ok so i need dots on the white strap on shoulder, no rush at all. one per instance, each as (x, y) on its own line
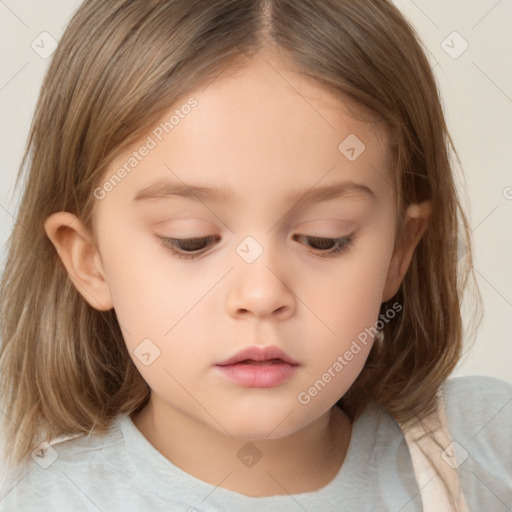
(434, 462)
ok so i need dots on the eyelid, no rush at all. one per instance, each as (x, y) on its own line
(341, 245)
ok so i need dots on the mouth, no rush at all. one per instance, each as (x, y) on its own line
(261, 363)
(270, 355)
(258, 374)
(258, 367)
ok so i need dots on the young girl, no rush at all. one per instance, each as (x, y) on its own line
(233, 281)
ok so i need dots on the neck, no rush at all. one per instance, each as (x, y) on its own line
(304, 461)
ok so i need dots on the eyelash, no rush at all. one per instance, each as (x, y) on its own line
(341, 245)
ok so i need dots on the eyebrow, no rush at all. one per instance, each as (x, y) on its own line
(167, 189)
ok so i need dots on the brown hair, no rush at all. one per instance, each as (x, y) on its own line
(120, 65)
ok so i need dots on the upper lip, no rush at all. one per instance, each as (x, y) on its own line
(259, 354)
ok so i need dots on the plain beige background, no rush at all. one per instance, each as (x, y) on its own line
(469, 45)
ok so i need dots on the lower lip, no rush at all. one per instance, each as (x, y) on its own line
(258, 376)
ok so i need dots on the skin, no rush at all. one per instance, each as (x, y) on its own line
(262, 131)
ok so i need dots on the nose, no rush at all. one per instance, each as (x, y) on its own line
(261, 289)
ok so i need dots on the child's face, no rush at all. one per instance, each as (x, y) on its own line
(264, 134)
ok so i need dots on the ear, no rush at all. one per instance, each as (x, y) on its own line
(80, 257)
(417, 217)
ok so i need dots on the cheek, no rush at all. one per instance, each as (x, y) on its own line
(347, 305)
(154, 299)
(350, 296)
(148, 292)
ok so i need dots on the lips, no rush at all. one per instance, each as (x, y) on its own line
(259, 356)
(258, 367)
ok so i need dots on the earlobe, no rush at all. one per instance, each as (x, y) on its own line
(417, 217)
(80, 258)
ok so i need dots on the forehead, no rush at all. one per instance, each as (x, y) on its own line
(272, 83)
(260, 128)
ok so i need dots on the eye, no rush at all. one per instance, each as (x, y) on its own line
(187, 247)
(192, 247)
(329, 246)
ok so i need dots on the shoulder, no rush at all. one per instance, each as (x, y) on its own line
(61, 474)
(478, 406)
(478, 401)
(478, 412)
(481, 385)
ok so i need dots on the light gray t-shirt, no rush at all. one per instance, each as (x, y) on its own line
(122, 471)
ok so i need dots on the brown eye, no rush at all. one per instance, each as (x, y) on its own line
(193, 247)
(187, 247)
(329, 246)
